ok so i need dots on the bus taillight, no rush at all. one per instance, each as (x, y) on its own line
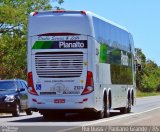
(89, 83)
(60, 11)
(83, 12)
(35, 13)
(31, 88)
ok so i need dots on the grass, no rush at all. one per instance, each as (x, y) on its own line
(145, 94)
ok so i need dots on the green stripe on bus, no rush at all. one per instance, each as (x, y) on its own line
(103, 53)
(42, 45)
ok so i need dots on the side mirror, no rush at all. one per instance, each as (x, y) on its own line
(139, 67)
(22, 89)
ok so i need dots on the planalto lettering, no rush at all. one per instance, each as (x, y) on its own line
(71, 44)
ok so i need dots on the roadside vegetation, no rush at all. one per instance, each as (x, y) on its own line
(13, 34)
(146, 94)
(148, 80)
(13, 41)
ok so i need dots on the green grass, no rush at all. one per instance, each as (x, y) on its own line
(145, 94)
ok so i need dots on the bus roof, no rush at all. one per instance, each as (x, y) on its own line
(106, 20)
(86, 30)
(76, 22)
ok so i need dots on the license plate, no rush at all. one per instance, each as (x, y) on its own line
(59, 101)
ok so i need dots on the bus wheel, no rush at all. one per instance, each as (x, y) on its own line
(123, 110)
(107, 108)
(47, 116)
(100, 114)
(126, 109)
(29, 112)
(105, 112)
(129, 106)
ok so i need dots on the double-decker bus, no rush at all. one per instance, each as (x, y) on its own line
(79, 62)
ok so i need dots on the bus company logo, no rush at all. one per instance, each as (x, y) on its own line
(59, 88)
(71, 44)
(124, 59)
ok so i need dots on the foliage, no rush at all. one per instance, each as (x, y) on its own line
(59, 2)
(148, 80)
(13, 34)
(145, 94)
(14, 14)
(13, 57)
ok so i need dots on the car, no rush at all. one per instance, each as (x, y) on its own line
(14, 97)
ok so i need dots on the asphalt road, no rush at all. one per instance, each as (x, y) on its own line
(146, 112)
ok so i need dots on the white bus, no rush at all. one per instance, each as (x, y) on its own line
(79, 62)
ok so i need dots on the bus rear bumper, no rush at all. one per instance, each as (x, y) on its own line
(85, 110)
(67, 103)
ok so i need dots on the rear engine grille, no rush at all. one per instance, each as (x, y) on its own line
(59, 64)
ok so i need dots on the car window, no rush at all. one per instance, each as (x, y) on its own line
(19, 85)
(24, 85)
(8, 85)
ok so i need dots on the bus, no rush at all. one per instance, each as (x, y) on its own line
(79, 62)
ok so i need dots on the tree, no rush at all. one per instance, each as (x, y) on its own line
(59, 2)
(139, 75)
(14, 14)
(148, 80)
(13, 34)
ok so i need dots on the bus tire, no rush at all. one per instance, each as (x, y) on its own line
(129, 106)
(29, 112)
(107, 108)
(127, 109)
(105, 112)
(123, 110)
(47, 117)
(100, 114)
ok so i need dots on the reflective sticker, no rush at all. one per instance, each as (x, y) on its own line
(59, 101)
(38, 86)
(81, 81)
(85, 63)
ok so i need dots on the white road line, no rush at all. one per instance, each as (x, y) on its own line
(121, 116)
(107, 119)
(64, 130)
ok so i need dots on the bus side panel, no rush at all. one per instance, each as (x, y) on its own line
(29, 67)
(93, 64)
(29, 60)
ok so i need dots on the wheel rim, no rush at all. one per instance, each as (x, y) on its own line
(129, 105)
(102, 113)
(107, 109)
(17, 109)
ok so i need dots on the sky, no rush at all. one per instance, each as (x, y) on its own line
(140, 17)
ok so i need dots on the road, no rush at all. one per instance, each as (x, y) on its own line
(146, 112)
